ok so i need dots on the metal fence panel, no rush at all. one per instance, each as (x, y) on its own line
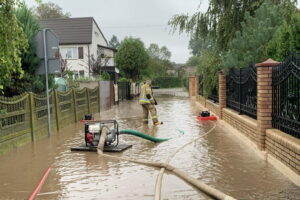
(286, 96)
(242, 90)
(124, 90)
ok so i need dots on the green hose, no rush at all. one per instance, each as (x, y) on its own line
(143, 135)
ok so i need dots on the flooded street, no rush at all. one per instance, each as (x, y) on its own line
(219, 159)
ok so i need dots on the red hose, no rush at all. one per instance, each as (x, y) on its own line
(39, 186)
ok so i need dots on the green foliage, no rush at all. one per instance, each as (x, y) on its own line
(132, 59)
(123, 79)
(105, 76)
(30, 26)
(49, 10)
(167, 82)
(114, 42)
(249, 45)
(30, 62)
(159, 62)
(286, 39)
(12, 42)
(186, 82)
(193, 61)
(209, 68)
(222, 19)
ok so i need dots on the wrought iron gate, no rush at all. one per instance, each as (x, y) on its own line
(286, 96)
(241, 91)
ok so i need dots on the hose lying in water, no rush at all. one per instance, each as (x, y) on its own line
(160, 175)
(39, 186)
(143, 135)
(197, 183)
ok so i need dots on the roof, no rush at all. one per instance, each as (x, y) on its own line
(113, 49)
(72, 30)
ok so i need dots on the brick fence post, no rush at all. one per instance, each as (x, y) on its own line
(222, 92)
(197, 86)
(264, 100)
(192, 86)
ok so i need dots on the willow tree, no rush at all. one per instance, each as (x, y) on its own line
(12, 42)
(221, 20)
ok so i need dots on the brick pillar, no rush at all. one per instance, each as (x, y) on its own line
(222, 92)
(192, 86)
(197, 86)
(264, 100)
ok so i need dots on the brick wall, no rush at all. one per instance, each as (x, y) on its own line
(284, 148)
(243, 123)
(202, 100)
(213, 107)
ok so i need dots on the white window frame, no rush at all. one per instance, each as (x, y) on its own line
(69, 53)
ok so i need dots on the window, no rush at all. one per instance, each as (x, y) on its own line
(69, 52)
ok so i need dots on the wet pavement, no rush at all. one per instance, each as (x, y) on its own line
(218, 159)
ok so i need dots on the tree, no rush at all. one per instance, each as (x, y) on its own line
(12, 42)
(29, 60)
(159, 61)
(49, 10)
(209, 67)
(162, 53)
(193, 61)
(132, 59)
(222, 19)
(114, 42)
(286, 39)
(249, 44)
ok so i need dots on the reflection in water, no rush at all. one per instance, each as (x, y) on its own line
(218, 159)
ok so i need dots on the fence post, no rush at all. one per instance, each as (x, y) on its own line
(74, 103)
(56, 105)
(222, 92)
(192, 86)
(88, 100)
(264, 100)
(99, 97)
(197, 86)
(31, 108)
(240, 91)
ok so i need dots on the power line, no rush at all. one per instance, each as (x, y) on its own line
(136, 26)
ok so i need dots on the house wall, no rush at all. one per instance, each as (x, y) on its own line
(110, 53)
(79, 64)
(89, 50)
(99, 39)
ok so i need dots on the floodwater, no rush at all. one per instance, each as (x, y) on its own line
(218, 159)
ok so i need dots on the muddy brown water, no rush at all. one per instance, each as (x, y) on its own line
(219, 159)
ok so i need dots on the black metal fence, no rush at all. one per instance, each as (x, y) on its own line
(214, 95)
(286, 96)
(241, 90)
(124, 90)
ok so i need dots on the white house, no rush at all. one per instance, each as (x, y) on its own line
(81, 42)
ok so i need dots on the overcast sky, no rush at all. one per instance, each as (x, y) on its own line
(144, 19)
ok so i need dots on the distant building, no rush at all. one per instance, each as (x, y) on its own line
(190, 70)
(81, 42)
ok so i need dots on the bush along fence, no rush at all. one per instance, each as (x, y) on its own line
(167, 82)
(262, 101)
